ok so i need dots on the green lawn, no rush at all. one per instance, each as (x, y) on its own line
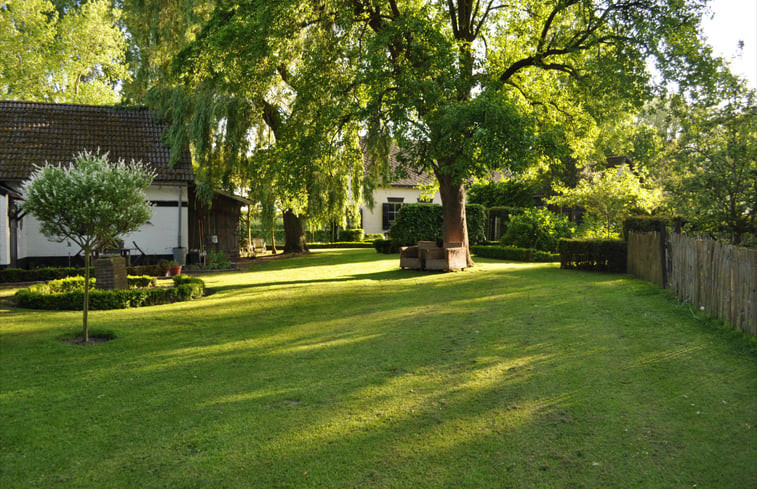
(339, 370)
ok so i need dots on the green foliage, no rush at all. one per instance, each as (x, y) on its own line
(417, 222)
(716, 154)
(386, 246)
(351, 234)
(217, 260)
(342, 244)
(514, 253)
(476, 220)
(76, 282)
(91, 202)
(505, 193)
(600, 255)
(423, 222)
(610, 196)
(141, 281)
(537, 228)
(72, 55)
(16, 275)
(40, 297)
(645, 224)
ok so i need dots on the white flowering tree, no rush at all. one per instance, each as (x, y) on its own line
(90, 202)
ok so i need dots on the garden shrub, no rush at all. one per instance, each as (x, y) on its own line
(217, 260)
(373, 236)
(645, 224)
(185, 288)
(537, 228)
(347, 235)
(141, 281)
(385, 246)
(10, 275)
(514, 253)
(341, 244)
(417, 222)
(476, 218)
(601, 255)
(512, 193)
(16, 275)
(423, 222)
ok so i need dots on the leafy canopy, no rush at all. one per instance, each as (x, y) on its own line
(72, 55)
(610, 196)
(90, 202)
(716, 157)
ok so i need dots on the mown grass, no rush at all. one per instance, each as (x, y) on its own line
(339, 370)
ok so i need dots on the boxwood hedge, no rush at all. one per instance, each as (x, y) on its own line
(184, 289)
(514, 253)
(601, 255)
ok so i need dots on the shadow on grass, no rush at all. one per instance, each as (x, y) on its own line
(505, 376)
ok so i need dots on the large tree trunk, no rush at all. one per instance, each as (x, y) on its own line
(294, 233)
(455, 228)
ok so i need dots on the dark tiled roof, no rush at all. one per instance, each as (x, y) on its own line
(407, 177)
(36, 133)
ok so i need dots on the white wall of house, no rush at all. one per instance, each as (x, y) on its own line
(5, 232)
(372, 218)
(157, 237)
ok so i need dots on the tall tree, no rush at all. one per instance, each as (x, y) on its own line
(260, 94)
(458, 80)
(716, 155)
(75, 55)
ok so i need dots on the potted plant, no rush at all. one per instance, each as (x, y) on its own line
(174, 268)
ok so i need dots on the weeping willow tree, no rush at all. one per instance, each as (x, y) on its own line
(259, 96)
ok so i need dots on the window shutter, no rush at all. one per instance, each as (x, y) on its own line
(385, 215)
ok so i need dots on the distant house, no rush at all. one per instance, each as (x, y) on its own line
(389, 199)
(36, 133)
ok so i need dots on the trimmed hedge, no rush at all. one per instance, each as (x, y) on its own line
(423, 222)
(340, 244)
(13, 275)
(417, 222)
(514, 253)
(71, 284)
(386, 246)
(647, 224)
(16, 275)
(351, 235)
(476, 218)
(601, 255)
(184, 289)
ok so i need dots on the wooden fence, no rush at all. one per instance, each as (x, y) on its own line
(646, 256)
(719, 278)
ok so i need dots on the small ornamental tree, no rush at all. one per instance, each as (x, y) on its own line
(90, 202)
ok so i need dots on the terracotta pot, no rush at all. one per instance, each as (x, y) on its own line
(175, 270)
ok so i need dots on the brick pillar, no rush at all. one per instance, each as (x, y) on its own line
(110, 272)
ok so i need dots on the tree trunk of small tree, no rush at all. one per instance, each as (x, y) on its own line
(455, 228)
(294, 233)
(85, 307)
